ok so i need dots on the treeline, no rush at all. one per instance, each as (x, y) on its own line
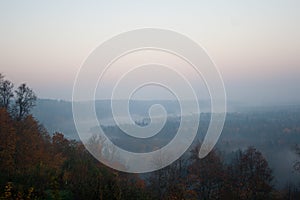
(36, 165)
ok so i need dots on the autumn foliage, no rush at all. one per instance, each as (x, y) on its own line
(37, 165)
(44, 167)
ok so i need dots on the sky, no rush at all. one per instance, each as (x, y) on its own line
(255, 44)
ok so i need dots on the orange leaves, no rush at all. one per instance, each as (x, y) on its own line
(7, 142)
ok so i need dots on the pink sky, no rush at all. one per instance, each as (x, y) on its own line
(255, 44)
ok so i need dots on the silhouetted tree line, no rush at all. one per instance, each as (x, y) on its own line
(17, 102)
(35, 165)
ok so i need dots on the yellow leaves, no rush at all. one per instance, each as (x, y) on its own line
(30, 191)
(8, 188)
(11, 193)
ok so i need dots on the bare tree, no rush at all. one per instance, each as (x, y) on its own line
(206, 176)
(6, 92)
(250, 176)
(297, 163)
(24, 101)
(170, 181)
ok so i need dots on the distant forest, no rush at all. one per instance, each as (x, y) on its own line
(273, 130)
(38, 164)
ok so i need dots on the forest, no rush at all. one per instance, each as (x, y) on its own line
(38, 164)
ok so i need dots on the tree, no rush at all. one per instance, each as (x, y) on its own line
(6, 92)
(249, 176)
(7, 144)
(297, 163)
(31, 145)
(206, 175)
(169, 182)
(25, 100)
